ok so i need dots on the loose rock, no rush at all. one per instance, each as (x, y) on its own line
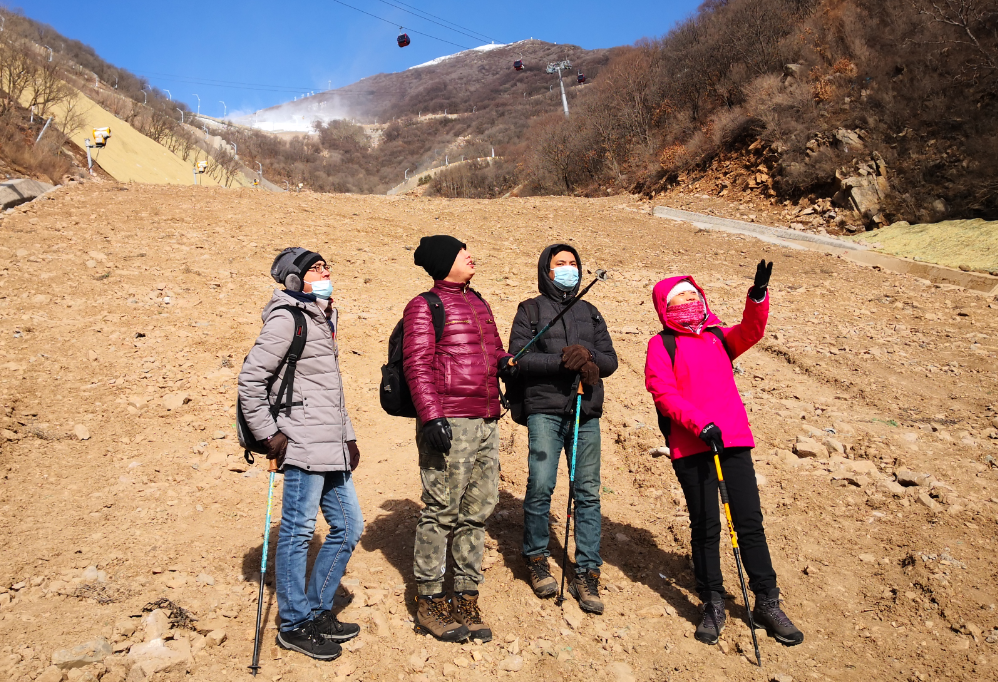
(82, 655)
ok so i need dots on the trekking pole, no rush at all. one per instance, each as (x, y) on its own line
(571, 491)
(734, 545)
(255, 667)
(600, 277)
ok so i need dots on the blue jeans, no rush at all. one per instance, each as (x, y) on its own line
(548, 434)
(305, 492)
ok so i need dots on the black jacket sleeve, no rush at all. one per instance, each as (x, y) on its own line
(534, 362)
(604, 354)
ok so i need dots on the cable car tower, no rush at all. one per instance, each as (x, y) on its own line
(558, 67)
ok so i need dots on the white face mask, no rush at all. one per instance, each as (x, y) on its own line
(322, 288)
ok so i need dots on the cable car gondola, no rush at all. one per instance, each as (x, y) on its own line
(582, 78)
(403, 39)
(518, 64)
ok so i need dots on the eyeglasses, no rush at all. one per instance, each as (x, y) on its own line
(319, 268)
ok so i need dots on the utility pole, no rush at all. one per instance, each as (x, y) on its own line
(225, 110)
(169, 95)
(199, 103)
(181, 114)
(556, 67)
(260, 166)
(50, 51)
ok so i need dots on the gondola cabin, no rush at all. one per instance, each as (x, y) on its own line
(403, 39)
(582, 78)
(518, 65)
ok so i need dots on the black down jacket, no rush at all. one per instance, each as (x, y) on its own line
(549, 386)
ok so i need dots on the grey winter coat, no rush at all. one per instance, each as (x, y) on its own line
(319, 427)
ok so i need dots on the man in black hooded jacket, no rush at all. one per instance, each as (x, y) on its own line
(577, 348)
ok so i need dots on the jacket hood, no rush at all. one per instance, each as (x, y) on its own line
(544, 283)
(662, 290)
(282, 297)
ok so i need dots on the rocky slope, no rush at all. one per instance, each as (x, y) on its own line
(125, 313)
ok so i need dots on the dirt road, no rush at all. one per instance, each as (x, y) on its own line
(119, 302)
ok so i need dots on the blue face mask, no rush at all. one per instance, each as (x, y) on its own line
(322, 288)
(566, 277)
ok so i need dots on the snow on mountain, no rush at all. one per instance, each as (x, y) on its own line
(481, 48)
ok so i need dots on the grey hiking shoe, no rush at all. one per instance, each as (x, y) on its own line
(541, 579)
(434, 616)
(768, 614)
(585, 588)
(712, 619)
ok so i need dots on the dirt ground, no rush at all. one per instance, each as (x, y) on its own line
(126, 310)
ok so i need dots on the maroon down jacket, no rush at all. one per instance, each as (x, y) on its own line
(456, 376)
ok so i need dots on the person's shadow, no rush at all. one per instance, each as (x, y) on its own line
(637, 555)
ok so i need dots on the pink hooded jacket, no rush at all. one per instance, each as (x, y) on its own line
(701, 387)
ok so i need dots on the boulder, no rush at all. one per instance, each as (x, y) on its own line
(82, 655)
(156, 656)
(808, 447)
(174, 401)
(20, 191)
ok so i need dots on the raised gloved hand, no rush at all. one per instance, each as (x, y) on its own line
(763, 271)
(437, 433)
(507, 368)
(574, 357)
(711, 435)
(590, 373)
(277, 448)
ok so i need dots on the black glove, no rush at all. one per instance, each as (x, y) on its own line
(711, 435)
(590, 374)
(507, 369)
(438, 434)
(762, 275)
(574, 357)
(277, 448)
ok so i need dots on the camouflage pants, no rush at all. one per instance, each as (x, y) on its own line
(460, 490)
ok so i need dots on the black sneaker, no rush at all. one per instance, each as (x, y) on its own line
(307, 640)
(768, 614)
(712, 620)
(330, 627)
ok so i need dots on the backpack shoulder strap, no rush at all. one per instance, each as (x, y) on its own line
(437, 311)
(669, 341)
(716, 331)
(533, 309)
(286, 392)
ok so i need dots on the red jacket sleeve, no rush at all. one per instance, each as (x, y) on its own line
(418, 348)
(660, 380)
(743, 336)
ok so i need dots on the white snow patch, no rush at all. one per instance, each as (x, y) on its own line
(481, 48)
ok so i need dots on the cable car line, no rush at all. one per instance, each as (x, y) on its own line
(448, 22)
(375, 16)
(480, 36)
(197, 80)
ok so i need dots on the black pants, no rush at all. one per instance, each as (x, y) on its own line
(698, 477)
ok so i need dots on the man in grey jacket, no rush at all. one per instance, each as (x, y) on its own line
(315, 447)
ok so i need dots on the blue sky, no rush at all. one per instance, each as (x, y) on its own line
(309, 45)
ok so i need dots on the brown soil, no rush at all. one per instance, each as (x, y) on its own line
(883, 586)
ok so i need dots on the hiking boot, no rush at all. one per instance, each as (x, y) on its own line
(541, 579)
(466, 612)
(433, 616)
(768, 614)
(712, 619)
(307, 640)
(585, 588)
(330, 627)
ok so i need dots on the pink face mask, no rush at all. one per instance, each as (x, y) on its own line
(690, 315)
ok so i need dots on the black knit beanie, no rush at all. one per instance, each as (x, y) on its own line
(437, 254)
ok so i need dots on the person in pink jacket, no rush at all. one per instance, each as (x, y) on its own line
(688, 372)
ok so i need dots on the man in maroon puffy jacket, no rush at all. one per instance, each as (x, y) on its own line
(455, 389)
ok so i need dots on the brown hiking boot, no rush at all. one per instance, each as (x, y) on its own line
(541, 579)
(466, 612)
(585, 588)
(433, 616)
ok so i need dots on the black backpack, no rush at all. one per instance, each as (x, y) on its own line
(396, 399)
(285, 394)
(669, 341)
